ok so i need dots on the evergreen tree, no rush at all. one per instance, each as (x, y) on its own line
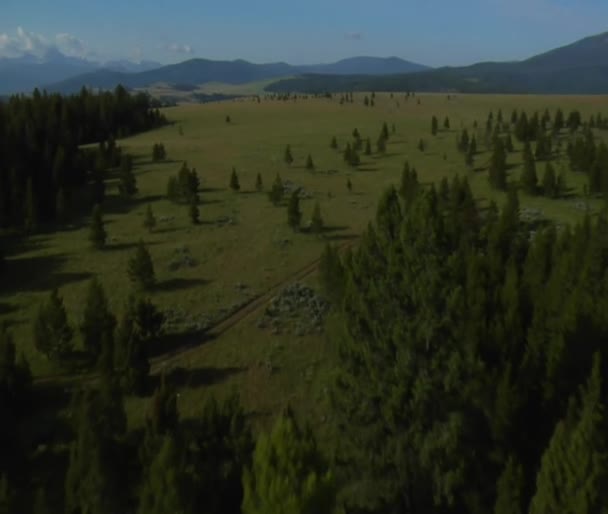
(498, 166)
(149, 219)
(381, 145)
(288, 474)
(287, 157)
(193, 210)
(128, 184)
(574, 468)
(164, 490)
(97, 232)
(130, 358)
(349, 185)
(434, 126)
(93, 480)
(277, 191)
(421, 145)
(347, 156)
(549, 181)
(98, 321)
(140, 268)
(334, 143)
(234, 181)
(510, 489)
(220, 449)
(368, 147)
(316, 221)
(446, 123)
(52, 332)
(309, 163)
(294, 215)
(259, 185)
(384, 134)
(163, 416)
(529, 180)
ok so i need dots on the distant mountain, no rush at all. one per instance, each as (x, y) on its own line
(579, 68)
(125, 66)
(365, 66)
(28, 71)
(24, 73)
(201, 71)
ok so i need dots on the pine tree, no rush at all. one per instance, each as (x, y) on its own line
(510, 489)
(193, 210)
(287, 157)
(347, 156)
(331, 274)
(421, 145)
(277, 191)
(164, 488)
(98, 321)
(384, 134)
(529, 180)
(498, 166)
(259, 185)
(334, 143)
(288, 474)
(130, 358)
(509, 144)
(368, 147)
(149, 219)
(381, 145)
(574, 468)
(163, 416)
(234, 181)
(349, 185)
(549, 181)
(434, 126)
(128, 184)
(52, 332)
(446, 123)
(316, 221)
(140, 268)
(309, 163)
(92, 482)
(294, 216)
(97, 233)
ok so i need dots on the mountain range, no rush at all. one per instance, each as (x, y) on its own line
(578, 68)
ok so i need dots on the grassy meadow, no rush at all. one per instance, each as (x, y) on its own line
(243, 246)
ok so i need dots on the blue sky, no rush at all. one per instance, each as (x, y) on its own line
(433, 32)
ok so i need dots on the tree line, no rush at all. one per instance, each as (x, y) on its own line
(42, 165)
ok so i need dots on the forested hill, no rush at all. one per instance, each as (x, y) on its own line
(43, 170)
(579, 68)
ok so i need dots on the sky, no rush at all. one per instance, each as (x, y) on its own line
(431, 32)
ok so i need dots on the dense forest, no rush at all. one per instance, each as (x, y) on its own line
(42, 165)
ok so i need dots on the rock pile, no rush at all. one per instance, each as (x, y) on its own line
(296, 307)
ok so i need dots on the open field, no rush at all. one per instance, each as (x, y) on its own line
(243, 246)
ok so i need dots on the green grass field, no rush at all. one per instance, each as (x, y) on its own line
(238, 260)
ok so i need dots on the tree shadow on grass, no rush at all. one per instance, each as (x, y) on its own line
(367, 168)
(193, 378)
(116, 247)
(171, 344)
(39, 273)
(178, 284)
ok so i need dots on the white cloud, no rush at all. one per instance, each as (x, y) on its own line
(71, 45)
(25, 42)
(180, 49)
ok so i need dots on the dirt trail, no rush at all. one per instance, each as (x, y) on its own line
(221, 327)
